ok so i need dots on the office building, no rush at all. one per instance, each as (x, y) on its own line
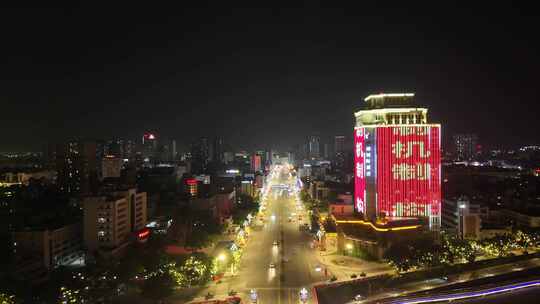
(120, 148)
(339, 152)
(228, 157)
(113, 220)
(397, 161)
(76, 164)
(218, 150)
(339, 144)
(256, 162)
(59, 246)
(149, 147)
(465, 146)
(111, 166)
(200, 155)
(313, 147)
(291, 157)
(326, 153)
(461, 217)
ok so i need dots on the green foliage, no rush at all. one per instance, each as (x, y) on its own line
(411, 254)
(197, 269)
(452, 250)
(455, 250)
(8, 299)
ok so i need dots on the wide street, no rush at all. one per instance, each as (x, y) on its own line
(294, 262)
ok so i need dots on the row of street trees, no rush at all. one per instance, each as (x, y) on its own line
(425, 252)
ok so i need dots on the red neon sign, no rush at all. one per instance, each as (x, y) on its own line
(408, 171)
(143, 233)
(191, 181)
(359, 170)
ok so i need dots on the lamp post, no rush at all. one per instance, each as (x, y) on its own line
(461, 208)
(221, 258)
(349, 247)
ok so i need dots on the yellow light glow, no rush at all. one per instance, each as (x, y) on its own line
(377, 228)
(382, 95)
(349, 246)
(222, 257)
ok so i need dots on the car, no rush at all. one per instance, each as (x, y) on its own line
(318, 268)
(359, 297)
(272, 266)
(275, 243)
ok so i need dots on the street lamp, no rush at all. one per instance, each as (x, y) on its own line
(461, 210)
(349, 247)
(304, 295)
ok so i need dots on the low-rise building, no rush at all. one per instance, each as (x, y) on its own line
(461, 217)
(111, 221)
(59, 246)
(521, 219)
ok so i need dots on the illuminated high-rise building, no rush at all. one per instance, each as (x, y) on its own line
(314, 147)
(397, 161)
(149, 147)
(77, 166)
(256, 162)
(339, 144)
(465, 146)
(339, 151)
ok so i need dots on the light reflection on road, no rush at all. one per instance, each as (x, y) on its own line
(275, 250)
(271, 274)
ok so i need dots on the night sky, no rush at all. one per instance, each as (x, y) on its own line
(263, 76)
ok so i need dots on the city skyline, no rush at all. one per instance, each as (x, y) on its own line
(257, 73)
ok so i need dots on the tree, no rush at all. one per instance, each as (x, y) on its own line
(8, 299)
(196, 270)
(410, 254)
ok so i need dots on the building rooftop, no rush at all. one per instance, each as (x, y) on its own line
(391, 100)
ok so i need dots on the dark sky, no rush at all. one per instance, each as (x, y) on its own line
(265, 76)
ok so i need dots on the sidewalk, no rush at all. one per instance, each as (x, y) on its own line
(345, 266)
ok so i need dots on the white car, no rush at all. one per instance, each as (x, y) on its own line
(272, 266)
(275, 243)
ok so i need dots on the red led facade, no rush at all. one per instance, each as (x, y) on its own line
(256, 162)
(359, 177)
(397, 171)
(408, 170)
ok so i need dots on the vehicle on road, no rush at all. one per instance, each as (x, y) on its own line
(272, 266)
(276, 243)
(318, 268)
(358, 297)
